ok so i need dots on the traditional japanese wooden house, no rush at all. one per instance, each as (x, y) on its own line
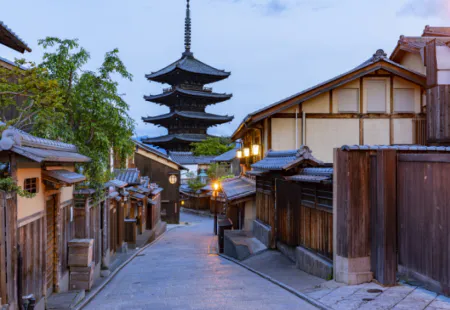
(165, 172)
(276, 165)
(193, 164)
(36, 230)
(377, 102)
(228, 162)
(187, 98)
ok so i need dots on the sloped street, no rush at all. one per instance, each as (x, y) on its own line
(179, 272)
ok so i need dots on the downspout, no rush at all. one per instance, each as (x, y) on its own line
(304, 128)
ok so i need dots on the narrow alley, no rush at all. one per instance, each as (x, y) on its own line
(178, 272)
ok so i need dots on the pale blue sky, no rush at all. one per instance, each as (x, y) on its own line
(274, 48)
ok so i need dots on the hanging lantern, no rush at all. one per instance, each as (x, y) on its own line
(173, 179)
(255, 149)
(239, 154)
(246, 152)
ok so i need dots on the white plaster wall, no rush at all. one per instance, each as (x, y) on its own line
(403, 131)
(443, 57)
(323, 135)
(266, 136)
(366, 84)
(402, 83)
(413, 62)
(30, 206)
(283, 133)
(376, 131)
(353, 84)
(319, 104)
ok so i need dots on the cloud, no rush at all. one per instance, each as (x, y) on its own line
(280, 6)
(425, 8)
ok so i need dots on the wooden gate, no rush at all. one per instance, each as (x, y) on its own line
(8, 252)
(305, 216)
(51, 245)
(423, 213)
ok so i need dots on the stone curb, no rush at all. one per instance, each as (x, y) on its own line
(282, 285)
(97, 290)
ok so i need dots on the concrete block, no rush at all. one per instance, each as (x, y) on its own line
(241, 244)
(353, 271)
(287, 251)
(313, 263)
(262, 232)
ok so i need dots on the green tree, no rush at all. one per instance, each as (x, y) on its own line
(212, 146)
(29, 96)
(95, 114)
(217, 171)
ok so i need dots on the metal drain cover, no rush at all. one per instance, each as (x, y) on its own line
(374, 291)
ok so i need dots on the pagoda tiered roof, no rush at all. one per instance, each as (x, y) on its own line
(173, 95)
(187, 137)
(188, 68)
(189, 115)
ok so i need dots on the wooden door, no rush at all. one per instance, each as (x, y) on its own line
(51, 246)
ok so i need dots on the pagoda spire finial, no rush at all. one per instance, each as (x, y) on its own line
(187, 31)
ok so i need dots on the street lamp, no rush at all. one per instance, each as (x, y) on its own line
(239, 154)
(216, 187)
(255, 149)
(246, 152)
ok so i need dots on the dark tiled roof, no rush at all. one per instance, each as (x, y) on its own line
(412, 148)
(313, 175)
(156, 151)
(64, 176)
(436, 31)
(187, 137)
(12, 40)
(188, 158)
(189, 64)
(130, 176)
(44, 155)
(218, 119)
(215, 97)
(238, 188)
(116, 183)
(415, 44)
(284, 160)
(226, 157)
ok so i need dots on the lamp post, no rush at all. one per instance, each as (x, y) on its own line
(216, 186)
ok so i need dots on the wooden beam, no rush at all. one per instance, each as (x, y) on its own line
(361, 95)
(361, 131)
(269, 133)
(386, 217)
(331, 101)
(391, 131)
(368, 115)
(391, 102)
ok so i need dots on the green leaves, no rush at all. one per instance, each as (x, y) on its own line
(212, 146)
(95, 115)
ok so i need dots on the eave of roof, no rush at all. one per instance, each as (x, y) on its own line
(214, 97)
(285, 160)
(159, 154)
(189, 64)
(377, 62)
(218, 119)
(19, 44)
(177, 137)
(414, 45)
(44, 155)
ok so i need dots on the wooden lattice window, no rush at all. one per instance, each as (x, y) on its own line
(31, 185)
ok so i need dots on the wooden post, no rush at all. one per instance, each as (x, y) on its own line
(386, 217)
(215, 213)
(352, 261)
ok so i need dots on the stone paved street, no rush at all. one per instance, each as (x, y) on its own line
(180, 272)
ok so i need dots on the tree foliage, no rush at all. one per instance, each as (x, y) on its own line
(217, 171)
(28, 96)
(95, 114)
(212, 146)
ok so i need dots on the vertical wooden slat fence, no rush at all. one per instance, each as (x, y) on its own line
(305, 216)
(8, 249)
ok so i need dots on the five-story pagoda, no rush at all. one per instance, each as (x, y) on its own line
(187, 98)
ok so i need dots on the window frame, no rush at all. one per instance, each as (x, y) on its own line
(26, 187)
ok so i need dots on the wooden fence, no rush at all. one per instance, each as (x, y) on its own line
(305, 216)
(265, 201)
(8, 250)
(394, 207)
